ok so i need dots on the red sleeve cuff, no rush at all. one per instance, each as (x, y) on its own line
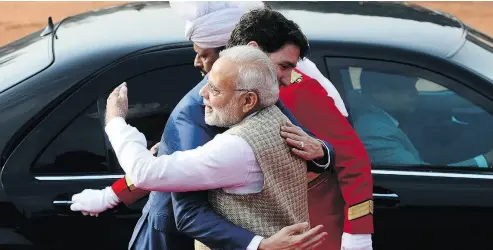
(127, 192)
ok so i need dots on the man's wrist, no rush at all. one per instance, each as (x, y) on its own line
(264, 244)
(255, 243)
(114, 122)
(112, 198)
(321, 156)
(323, 161)
(108, 119)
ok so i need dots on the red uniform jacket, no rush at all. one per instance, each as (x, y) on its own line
(340, 200)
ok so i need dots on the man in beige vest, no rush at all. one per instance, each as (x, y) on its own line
(256, 182)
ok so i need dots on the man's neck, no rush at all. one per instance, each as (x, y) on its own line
(249, 115)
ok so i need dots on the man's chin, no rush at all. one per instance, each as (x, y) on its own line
(211, 121)
(281, 84)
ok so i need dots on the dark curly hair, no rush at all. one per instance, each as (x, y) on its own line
(270, 29)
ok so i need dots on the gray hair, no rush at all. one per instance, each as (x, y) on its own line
(256, 73)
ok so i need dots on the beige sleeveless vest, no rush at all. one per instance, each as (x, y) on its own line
(283, 199)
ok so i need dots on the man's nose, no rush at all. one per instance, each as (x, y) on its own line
(280, 76)
(285, 78)
(197, 63)
(203, 92)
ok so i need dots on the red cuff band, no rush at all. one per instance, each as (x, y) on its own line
(126, 191)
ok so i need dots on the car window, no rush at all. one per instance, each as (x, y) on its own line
(422, 85)
(79, 148)
(405, 118)
(152, 97)
(83, 147)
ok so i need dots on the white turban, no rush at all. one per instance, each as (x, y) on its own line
(209, 23)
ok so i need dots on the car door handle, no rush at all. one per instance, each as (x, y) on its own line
(385, 196)
(62, 203)
(385, 200)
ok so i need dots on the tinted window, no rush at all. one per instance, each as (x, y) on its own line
(79, 148)
(404, 117)
(153, 96)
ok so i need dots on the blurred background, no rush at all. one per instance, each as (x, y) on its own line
(18, 19)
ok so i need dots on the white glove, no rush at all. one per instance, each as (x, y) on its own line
(356, 242)
(93, 202)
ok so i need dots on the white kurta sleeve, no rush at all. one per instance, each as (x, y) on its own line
(217, 164)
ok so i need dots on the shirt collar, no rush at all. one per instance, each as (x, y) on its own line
(250, 115)
(246, 117)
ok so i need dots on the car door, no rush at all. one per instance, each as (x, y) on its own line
(69, 151)
(432, 186)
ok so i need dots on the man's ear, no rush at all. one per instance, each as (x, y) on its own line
(253, 44)
(250, 101)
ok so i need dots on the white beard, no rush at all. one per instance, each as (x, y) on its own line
(223, 117)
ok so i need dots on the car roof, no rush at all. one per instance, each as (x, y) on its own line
(140, 25)
(390, 24)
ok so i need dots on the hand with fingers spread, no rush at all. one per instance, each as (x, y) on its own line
(117, 103)
(294, 238)
(304, 146)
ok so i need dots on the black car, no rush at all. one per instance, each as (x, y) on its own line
(54, 84)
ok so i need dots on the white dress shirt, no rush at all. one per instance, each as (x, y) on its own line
(226, 162)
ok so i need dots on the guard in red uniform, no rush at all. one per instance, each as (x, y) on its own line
(342, 200)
